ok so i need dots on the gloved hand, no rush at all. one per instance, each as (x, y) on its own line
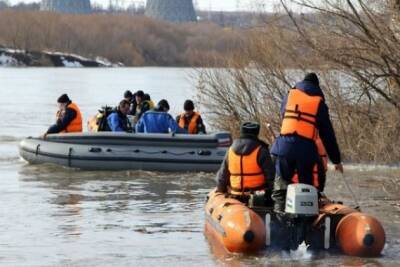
(339, 167)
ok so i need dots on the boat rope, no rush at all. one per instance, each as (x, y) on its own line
(350, 190)
(159, 152)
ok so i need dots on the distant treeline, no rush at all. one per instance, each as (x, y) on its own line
(5, 4)
(132, 40)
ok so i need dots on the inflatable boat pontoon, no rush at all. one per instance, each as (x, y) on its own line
(124, 151)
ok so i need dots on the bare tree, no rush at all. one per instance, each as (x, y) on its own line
(358, 37)
(352, 45)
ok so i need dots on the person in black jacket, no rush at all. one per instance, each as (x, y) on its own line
(131, 98)
(142, 105)
(247, 167)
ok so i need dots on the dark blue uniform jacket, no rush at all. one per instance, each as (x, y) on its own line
(295, 147)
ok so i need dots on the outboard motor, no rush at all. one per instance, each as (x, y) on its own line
(301, 200)
(301, 209)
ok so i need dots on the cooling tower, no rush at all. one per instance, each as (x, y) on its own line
(171, 10)
(66, 6)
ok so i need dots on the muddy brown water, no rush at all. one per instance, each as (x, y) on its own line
(53, 216)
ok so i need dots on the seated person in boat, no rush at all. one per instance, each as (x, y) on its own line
(191, 120)
(118, 120)
(247, 169)
(68, 117)
(131, 98)
(147, 98)
(158, 121)
(142, 105)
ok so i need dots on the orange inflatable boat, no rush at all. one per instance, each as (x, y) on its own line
(355, 233)
(233, 225)
(240, 229)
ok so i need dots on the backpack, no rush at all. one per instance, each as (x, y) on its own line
(104, 112)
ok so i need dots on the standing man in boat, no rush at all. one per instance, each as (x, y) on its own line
(191, 120)
(158, 121)
(305, 116)
(68, 117)
(247, 168)
(118, 120)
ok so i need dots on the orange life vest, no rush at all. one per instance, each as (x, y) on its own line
(246, 175)
(322, 152)
(301, 114)
(324, 157)
(75, 126)
(192, 127)
(315, 181)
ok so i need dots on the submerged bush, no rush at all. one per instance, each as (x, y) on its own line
(360, 82)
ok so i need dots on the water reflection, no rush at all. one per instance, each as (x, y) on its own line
(147, 196)
(158, 218)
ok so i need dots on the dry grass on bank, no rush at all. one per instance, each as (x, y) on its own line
(132, 40)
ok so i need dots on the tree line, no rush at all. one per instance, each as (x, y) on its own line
(131, 40)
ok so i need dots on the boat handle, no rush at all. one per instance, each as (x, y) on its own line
(37, 149)
(204, 153)
(69, 156)
(95, 150)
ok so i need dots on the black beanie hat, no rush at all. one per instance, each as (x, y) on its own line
(312, 78)
(146, 97)
(63, 99)
(140, 93)
(250, 128)
(163, 105)
(188, 105)
(128, 94)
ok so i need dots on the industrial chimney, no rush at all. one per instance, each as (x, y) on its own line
(66, 6)
(171, 10)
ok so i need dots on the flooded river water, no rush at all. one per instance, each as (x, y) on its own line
(52, 216)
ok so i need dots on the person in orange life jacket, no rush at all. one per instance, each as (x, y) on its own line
(305, 116)
(191, 120)
(68, 117)
(247, 167)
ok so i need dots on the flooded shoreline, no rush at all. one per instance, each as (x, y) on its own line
(54, 216)
(58, 216)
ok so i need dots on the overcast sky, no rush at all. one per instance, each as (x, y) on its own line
(218, 5)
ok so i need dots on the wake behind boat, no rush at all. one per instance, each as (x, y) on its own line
(127, 151)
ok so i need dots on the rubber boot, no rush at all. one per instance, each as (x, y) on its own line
(279, 194)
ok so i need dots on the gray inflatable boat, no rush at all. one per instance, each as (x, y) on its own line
(124, 151)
